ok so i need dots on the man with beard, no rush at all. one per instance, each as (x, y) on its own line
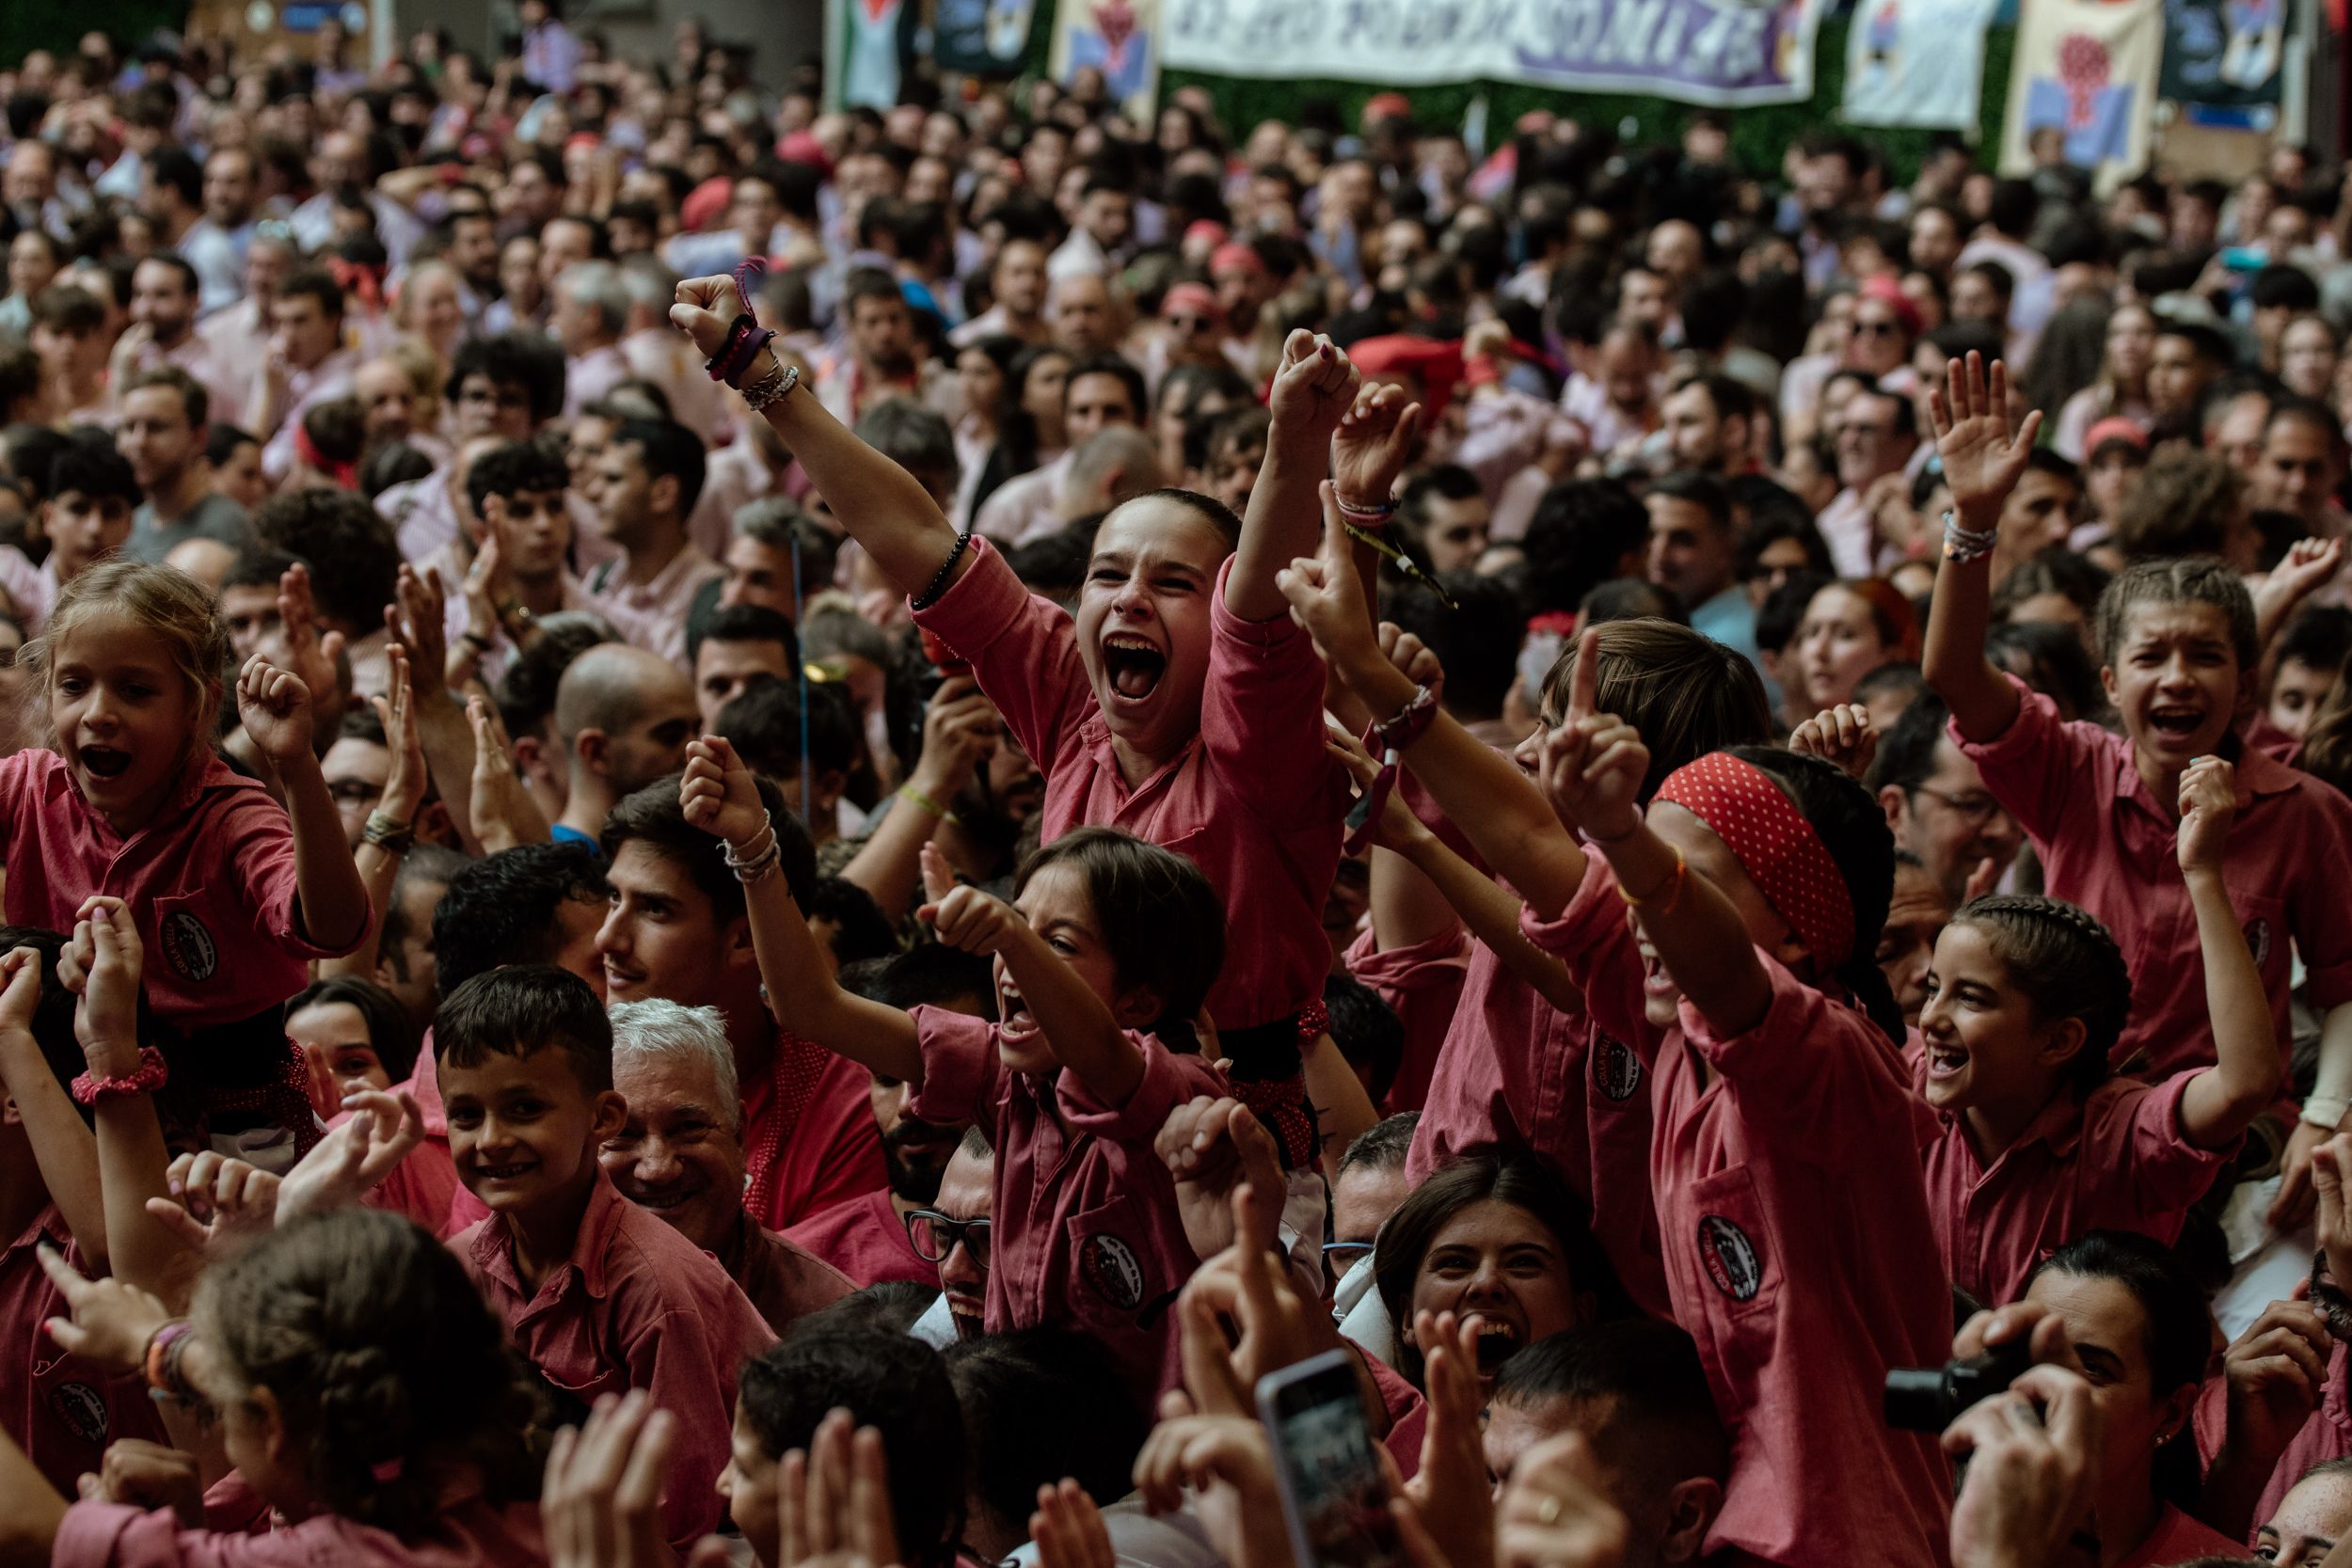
(882, 360)
(867, 1238)
(680, 1155)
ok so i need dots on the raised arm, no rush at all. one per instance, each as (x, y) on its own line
(1506, 818)
(721, 797)
(102, 964)
(1593, 773)
(1982, 462)
(379, 861)
(275, 708)
(1422, 889)
(1076, 1025)
(63, 1147)
(882, 505)
(1314, 389)
(2223, 1100)
(959, 729)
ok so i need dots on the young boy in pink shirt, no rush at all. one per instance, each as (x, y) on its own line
(600, 1295)
(2182, 669)
(1111, 949)
(1180, 703)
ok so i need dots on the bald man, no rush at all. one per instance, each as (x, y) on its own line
(1115, 464)
(624, 717)
(1088, 317)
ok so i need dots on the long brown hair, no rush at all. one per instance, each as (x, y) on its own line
(166, 602)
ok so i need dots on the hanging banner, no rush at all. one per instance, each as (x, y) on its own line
(1118, 38)
(1917, 63)
(2086, 69)
(1721, 52)
(874, 36)
(982, 38)
(2224, 53)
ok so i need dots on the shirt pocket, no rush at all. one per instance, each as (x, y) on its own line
(2264, 920)
(1115, 1288)
(1737, 1254)
(187, 946)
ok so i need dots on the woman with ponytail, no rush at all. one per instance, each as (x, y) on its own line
(2039, 1146)
(354, 1380)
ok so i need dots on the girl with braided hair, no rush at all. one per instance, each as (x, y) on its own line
(2039, 1146)
(357, 1382)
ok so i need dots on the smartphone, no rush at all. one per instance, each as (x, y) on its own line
(2244, 257)
(1327, 1462)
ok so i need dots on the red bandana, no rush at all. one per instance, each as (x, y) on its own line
(1775, 846)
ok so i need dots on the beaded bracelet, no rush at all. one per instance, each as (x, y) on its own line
(930, 595)
(149, 1076)
(1364, 517)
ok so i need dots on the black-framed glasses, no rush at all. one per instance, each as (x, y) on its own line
(1340, 1257)
(1975, 810)
(934, 1235)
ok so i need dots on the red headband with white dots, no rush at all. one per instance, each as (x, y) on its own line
(1775, 846)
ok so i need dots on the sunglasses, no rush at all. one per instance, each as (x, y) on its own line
(1877, 330)
(1190, 325)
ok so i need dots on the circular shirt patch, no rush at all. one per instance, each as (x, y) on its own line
(2258, 942)
(1110, 1266)
(1616, 1070)
(1731, 1260)
(188, 946)
(79, 1408)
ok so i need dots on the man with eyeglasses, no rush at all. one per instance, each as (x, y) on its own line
(1937, 806)
(955, 1234)
(1370, 1187)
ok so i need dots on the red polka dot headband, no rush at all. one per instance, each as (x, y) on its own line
(1775, 846)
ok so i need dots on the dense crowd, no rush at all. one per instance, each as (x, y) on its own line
(979, 833)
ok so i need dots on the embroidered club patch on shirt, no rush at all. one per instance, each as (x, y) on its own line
(1616, 1070)
(1111, 1267)
(1731, 1258)
(189, 947)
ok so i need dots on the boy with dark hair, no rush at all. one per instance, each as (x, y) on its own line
(1637, 1392)
(600, 1295)
(87, 518)
(676, 928)
(894, 1383)
(539, 904)
(764, 723)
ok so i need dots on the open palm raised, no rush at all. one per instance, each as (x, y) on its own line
(1983, 452)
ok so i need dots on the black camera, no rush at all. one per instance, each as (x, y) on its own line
(1928, 1399)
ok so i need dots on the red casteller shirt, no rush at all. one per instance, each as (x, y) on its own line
(1799, 1250)
(61, 1410)
(866, 1240)
(1254, 798)
(637, 1305)
(209, 883)
(2108, 845)
(809, 1133)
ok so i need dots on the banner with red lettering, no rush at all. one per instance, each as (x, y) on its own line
(1721, 52)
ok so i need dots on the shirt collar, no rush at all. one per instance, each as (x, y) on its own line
(208, 773)
(494, 1249)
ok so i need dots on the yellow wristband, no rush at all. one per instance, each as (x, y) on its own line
(915, 797)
